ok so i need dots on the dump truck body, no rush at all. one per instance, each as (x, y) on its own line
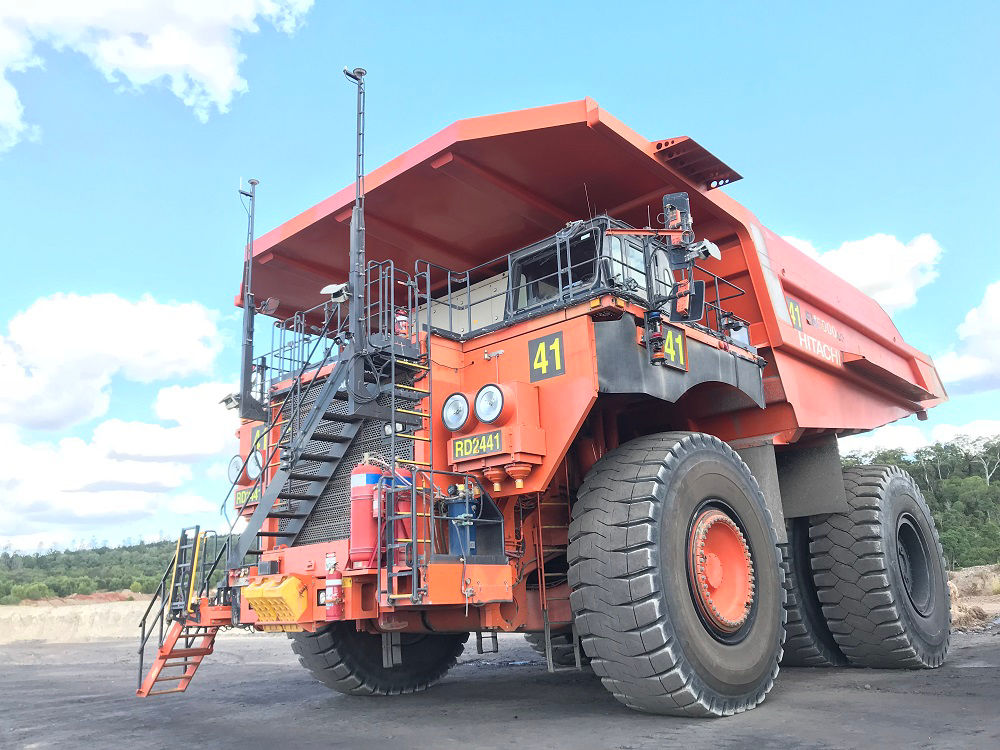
(432, 437)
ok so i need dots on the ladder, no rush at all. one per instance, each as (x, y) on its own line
(177, 659)
(322, 425)
(560, 529)
(184, 575)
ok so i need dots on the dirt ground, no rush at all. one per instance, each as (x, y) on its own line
(253, 694)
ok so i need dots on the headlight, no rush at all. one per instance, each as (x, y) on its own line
(455, 412)
(255, 466)
(489, 403)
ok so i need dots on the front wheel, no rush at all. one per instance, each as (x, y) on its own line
(350, 661)
(676, 578)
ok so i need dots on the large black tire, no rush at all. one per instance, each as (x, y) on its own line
(880, 574)
(562, 648)
(631, 598)
(351, 662)
(808, 640)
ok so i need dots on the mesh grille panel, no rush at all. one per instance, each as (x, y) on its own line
(331, 518)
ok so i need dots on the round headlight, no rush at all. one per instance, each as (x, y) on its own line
(455, 412)
(255, 465)
(489, 403)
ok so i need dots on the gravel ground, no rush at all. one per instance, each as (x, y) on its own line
(252, 694)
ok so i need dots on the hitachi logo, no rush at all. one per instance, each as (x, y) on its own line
(816, 346)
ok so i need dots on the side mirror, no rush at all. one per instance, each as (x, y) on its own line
(689, 307)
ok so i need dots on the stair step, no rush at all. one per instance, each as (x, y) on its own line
(332, 416)
(275, 533)
(174, 679)
(303, 476)
(178, 653)
(331, 438)
(287, 514)
(165, 692)
(319, 457)
(296, 496)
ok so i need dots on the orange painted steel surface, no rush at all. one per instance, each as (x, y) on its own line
(488, 185)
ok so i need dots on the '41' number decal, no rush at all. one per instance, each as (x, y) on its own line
(547, 356)
(674, 348)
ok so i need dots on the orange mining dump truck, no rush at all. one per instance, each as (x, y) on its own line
(539, 375)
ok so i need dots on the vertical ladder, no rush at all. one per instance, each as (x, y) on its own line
(184, 577)
(417, 399)
(543, 596)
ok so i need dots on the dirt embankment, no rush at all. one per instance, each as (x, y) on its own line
(79, 623)
(975, 596)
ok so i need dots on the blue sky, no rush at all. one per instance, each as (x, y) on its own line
(848, 122)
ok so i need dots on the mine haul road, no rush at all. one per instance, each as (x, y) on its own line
(251, 694)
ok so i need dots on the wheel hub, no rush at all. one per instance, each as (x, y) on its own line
(721, 571)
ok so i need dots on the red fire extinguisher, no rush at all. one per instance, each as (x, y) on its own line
(335, 596)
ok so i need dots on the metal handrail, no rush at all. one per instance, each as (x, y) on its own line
(276, 445)
(601, 274)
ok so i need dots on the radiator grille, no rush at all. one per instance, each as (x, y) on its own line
(331, 518)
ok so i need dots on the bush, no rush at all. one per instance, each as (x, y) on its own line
(8, 599)
(31, 591)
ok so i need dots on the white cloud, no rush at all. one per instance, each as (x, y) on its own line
(128, 472)
(911, 438)
(192, 45)
(60, 355)
(974, 364)
(204, 427)
(882, 266)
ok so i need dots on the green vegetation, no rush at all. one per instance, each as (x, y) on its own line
(138, 568)
(961, 481)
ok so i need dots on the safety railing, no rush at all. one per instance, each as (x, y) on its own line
(578, 263)
(293, 341)
(159, 611)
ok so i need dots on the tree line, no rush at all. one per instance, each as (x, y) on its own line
(138, 568)
(960, 480)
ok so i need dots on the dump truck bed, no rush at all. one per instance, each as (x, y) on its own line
(485, 186)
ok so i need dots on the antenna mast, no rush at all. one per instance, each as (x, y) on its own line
(357, 247)
(250, 407)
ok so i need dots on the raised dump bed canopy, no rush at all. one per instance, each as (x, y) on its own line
(485, 186)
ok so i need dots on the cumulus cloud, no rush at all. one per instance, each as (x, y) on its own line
(882, 266)
(974, 364)
(191, 45)
(202, 427)
(60, 355)
(911, 438)
(125, 472)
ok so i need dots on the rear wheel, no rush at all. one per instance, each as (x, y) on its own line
(808, 640)
(350, 661)
(677, 588)
(880, 574)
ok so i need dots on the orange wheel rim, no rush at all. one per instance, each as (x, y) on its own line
(721, 571)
